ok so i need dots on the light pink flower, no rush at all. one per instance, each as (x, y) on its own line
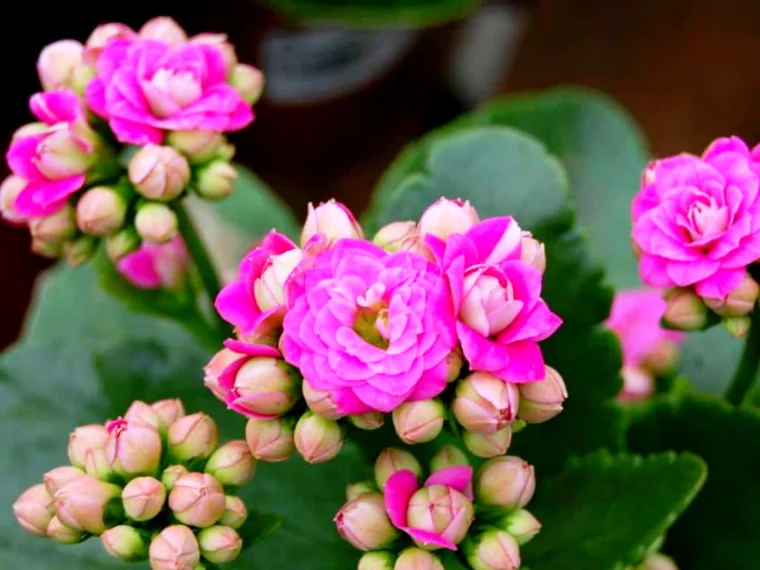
(497, 298)
(374, 329)
(144, 87)
(696, 221)
(54, 160)
(154, 266)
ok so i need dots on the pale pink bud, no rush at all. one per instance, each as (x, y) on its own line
(522, 525)
(495, 550)
(9, 191)
(353, 490)
(174, 548)
(379, 560)
(62, 155)
(198, 146)
(156, 223)
(541, 401)
(159, 172)
(317, 439)
(125, 543)
(220, 544)
(63, 534)
(47, 249)
(214, 369)
(737, 327)
(364, 523)
(270, 440)
(441, 510)
(101, 211)
(169, 410)
(392, 460)
(488, 444)
(219, 41)
(141, 413)
(57, 228)
(248, 81)
(58, 477)
(417, 559)
(216, 180)
(82, 504)
(419, 422)
(143, 498)
(266, 386)
(685, 311)
(122, 243)
(164, 29)
(58, 63)
(319, 402)
(197, 499)
(533, 252)
(368, 421)
(268, 289)
(505, 482)
(446, 217)
(79, 251)
(34, 509)
(235, 512)
(454, 362)
(101, 36)
(84, 440)
(657, 562)
(171, 474)
(133, 448)
(739, 302)
(448, 456)
(484, 403)
(333, 220)
(393, 236)
(638, 384)
(489, 306)
(662, 358)
(232, 464)
(193, 436)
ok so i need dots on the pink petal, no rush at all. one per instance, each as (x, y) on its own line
(46, 198)
(399, 489)
(526, 364)
(458, 477)
(496, 240)
(428, 538)
(347, 403)
(720, 284)
(684, 273)
(22, 155)
(135, 133)
(725, 144)
(51, 107)
(653, 271)
(251, 349)
(236, 306)
(138, 269)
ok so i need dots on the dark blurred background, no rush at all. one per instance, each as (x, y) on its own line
(340, 103)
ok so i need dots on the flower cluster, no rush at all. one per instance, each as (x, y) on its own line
(399, 521)
(126, 124)
(130, 477)
(696, 229)
(359, 329)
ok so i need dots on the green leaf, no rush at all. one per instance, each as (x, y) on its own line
(604, 512)
(502, 171)
(720, 529)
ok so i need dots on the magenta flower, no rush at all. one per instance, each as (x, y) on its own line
(144, 87)
(154, 266)
(497, 298)
(696, 221)
(371, 328)
(53, 160)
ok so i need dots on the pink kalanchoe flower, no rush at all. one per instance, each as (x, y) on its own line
(696, 220)
(374, 329)
(155, 266)
(497, 297)
(145, 87)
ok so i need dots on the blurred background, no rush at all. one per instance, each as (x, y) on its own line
(342, 100)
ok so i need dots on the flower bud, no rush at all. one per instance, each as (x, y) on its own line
(541, 401)
(125, 543)
(34, 509)
(133, 448)
(488, 444)
(164, 29)
(265, 386)
(58, 477)
(219, 544)
(270, 440)
(122, 243)
(739, 302)
(321, 403)
(333, 220)
(58, 63)
(391, 460)
(393, 236)
(248, 81)
(193, 436)
(521, 524)
(448, 456)
(159, 172)
(197, 499)
(638, 384)
(101, 211)
(47, 249)
(364, 523)
(417, 559)
(495, 550)
(506, 482)
(235, 512)
(737, 327)
(419, 422)
(174, 548)
(232, 464)
(56, 228)
(662, 358)
(171, 474)
(198, 146)
(156, 223)
(83, 504)
(84, 441)
(29, 129)
(219, 41)
(353, 490)
(101, 36)
(657, 562)
(379, 560)
(143, 498)
(9, 191)
(368, 421)
(141, 413)
(454, 362)
(533, 252)
(63, 534)
(685, 311)
(216, 180)
(484, 403)
(446, 217)
(169, 410)
(79, 251)
(317, 439)
(440, 510)
(268, 289)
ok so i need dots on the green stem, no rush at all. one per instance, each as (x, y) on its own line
(746, 373)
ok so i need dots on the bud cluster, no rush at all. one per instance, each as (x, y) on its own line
(130, 477)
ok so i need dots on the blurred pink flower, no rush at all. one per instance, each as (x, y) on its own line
(154, 266)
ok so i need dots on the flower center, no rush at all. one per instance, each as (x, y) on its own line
(182, 88)
(707, 219)
(371, 321)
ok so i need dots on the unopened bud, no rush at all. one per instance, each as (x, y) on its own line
(454, 362)
(333, 220)
(216, 180)
(101, 211)
(448, 456)
(125, 543)
(446, 217)
(487, 445)
(197, 499)
(685, 311)
(197, 146)
(248, 81)
(83, 504)
(379, 560)
(662, 358)
(56, 228)
(392, 460)
(102, 36)
(63, 534)
(541, 401)
(269, 288)
(442, 511)
(317, 439)
(353, 490)
(79, 251)
(484, 403)
(143, 498)
(171, 474)
(133, 448)
(169, 410)
(86, 441)
(47, 249)
(638, 384)
(232, 464)
(9, 191)
(494, 550)
(321, 403)
(58, 477)
(58, 63)
(521, 524)
(235, 512)
(533, 252)
(657, 562)
(163, 29)
(220, 544)
(122, 243)
(393, 236)
(159, 172)
(270, 440)
(364, 523)
(418, 559)
(34, 509)
(739, 302)
(141, 413)
(369, 421)
(737, 327)
(265, 386)
(174, 548)
(191, 437)
(156, 223)
(506, 482)
(419, 422)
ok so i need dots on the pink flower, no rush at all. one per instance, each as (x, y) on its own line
(254, 303)
(497, 298)
(154, 266)
(696, 221)
(144, 87)
(374, 329)
(53, 160)
(453, 514)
